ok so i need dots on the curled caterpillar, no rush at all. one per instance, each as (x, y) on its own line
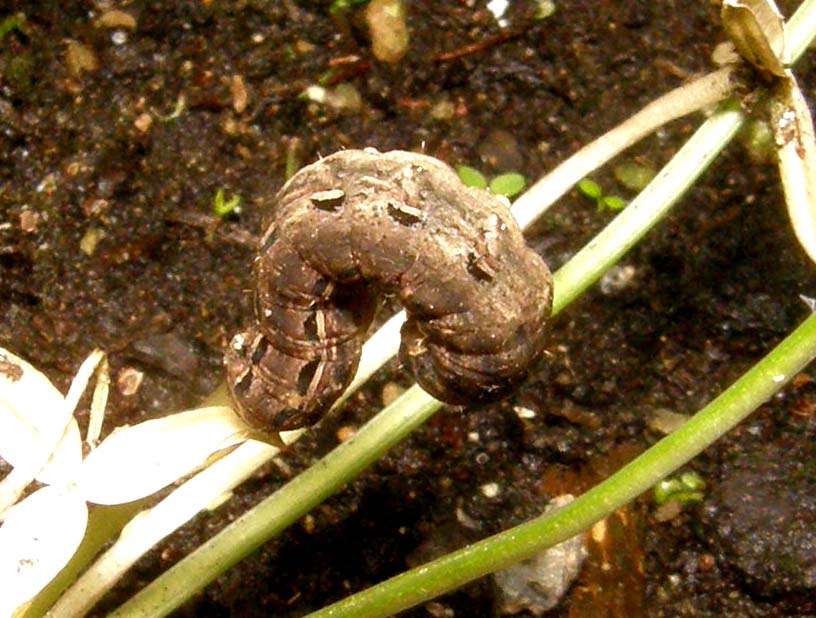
(359, 224)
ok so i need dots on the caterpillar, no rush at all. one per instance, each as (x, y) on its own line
(359, 224)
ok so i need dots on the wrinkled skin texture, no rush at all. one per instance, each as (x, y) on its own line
(359, 224)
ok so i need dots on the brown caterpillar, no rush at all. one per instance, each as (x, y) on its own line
(359, 224)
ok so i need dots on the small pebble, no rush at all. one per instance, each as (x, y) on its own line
(438, 610)
(168, 352)
(667, 512)
(80, 59)
(115, 20)
(524, 413)
(143, 122)
(28, 221)
(537, 585)
(617, 278)
(391, 392)
(443, 110)
(345, 433)
(129, 380)
(665, 421)
(388, 29)
(304, 47)
(240, 95)
(498, 8)
(119, 37)
(500, 151)
(634, 176)
(90, 240)
(345, 98)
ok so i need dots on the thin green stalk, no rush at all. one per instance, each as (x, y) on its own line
(799, 29)
(587, 266)
(283, 508)
(501, 550)
(702, 93)
(391, 425)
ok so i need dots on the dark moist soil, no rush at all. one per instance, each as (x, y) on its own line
(108, 239)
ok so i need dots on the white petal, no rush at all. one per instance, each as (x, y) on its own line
(64, 463)
(39, 536)
(137, 461)
(29, 406)
(98, 403)
(80, 381)
(67, 455)
(33, 418)
(757, 30)
(793, 129)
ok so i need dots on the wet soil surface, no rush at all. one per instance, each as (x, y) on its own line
(117, 132)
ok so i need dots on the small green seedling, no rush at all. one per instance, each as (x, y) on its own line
(222, 206)
(13, 22)
(343, 6)
(509, 185)
(471, 177)
(178, 110)
(544, 9)
(590, 188)
(687, 488)
(593, 191)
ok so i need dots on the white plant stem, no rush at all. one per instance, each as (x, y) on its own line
(699, 94)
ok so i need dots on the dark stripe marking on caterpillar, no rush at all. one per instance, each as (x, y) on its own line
(359, 224)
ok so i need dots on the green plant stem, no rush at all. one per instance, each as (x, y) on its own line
(526, 540)
(282, 508)
(586, 267)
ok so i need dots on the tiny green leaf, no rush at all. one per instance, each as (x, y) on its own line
(471, 177)
(634, 176)
(222, 206)
(665, 489)
(544, 8)
(590, 188)
(692, 481)
(508, 185)
(12, 23)
(613, 202)
(343, 6)
(688, 487)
